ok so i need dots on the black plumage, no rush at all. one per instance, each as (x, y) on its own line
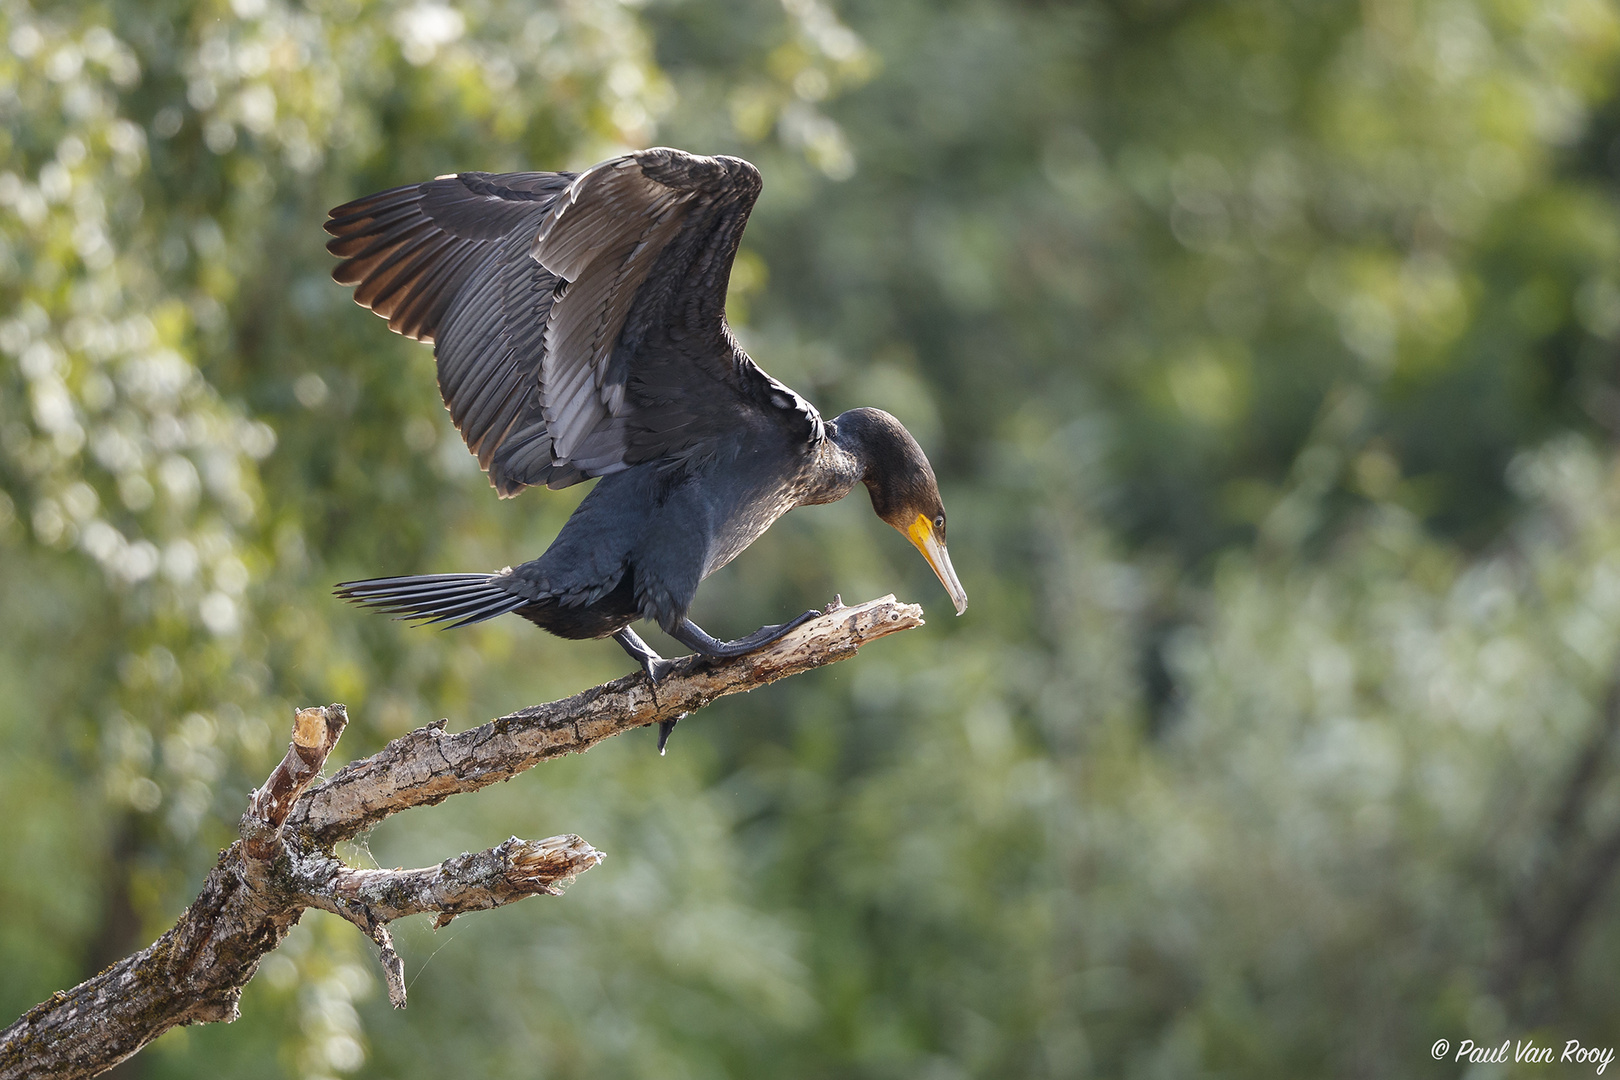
(579, 326)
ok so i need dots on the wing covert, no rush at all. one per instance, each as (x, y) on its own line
(578, 321)
(646, 243)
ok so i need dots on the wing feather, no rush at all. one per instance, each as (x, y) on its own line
(447, 262)
(431, 295)
(398, 268)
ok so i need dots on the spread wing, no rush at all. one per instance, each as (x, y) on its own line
(579, 322)
(447, 262)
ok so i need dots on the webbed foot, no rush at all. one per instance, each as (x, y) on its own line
(701, 641)
(698, 640)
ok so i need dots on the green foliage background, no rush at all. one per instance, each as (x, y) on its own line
(1266, 350)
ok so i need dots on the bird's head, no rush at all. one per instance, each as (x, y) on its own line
(903, 489)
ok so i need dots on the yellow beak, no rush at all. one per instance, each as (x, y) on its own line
(921, 533)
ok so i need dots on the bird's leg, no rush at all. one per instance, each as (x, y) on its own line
(656, 668)
(654, 665)
(694, 637)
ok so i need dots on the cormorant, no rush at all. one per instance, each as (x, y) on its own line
(579, 327)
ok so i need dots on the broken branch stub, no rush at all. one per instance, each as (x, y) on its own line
(315, 732)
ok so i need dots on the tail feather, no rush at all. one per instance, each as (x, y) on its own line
(453, 599)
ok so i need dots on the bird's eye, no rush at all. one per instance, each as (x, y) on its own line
(939, 522)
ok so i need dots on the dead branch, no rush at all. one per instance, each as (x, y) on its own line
(427, 766)
(284, 862)
(315, 733)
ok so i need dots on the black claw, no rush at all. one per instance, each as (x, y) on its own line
(664, 728)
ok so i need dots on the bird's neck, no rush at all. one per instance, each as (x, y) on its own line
(836, 472)
(855, 442)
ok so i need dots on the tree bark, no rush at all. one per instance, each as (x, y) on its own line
(284, 861)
